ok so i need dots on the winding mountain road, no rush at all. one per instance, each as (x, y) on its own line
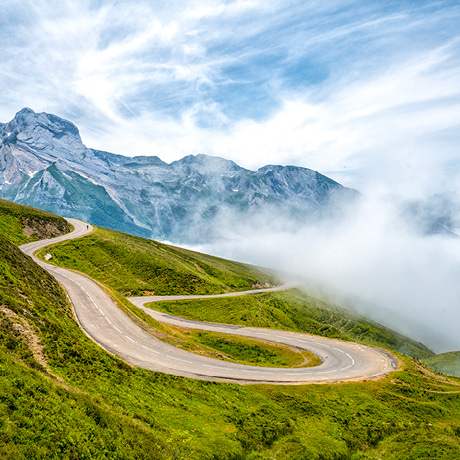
(114, 331)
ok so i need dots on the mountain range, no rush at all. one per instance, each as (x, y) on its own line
(44, 163)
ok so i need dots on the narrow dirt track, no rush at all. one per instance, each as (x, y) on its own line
(114, 331)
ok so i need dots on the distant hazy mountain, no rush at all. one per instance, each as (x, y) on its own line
(436, 215)
(43, 163)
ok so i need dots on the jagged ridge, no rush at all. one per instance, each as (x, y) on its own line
(44, 163)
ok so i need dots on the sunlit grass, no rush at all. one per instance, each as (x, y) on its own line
(15, 218)
(296, 311)
(135, 266)
(447, 363)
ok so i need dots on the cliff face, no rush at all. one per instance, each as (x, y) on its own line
(44, 163)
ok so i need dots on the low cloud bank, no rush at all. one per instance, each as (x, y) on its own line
(377, 259)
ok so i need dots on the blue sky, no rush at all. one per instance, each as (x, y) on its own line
(366, 92)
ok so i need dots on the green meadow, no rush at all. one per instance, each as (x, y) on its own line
(62, 397)
(447, 363)
(23, 224)
(135, 266)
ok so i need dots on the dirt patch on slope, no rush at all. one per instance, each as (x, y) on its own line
(28, 334)
(42, 229)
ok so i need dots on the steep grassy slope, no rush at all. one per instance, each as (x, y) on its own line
(41, 416)
(83, 403)
(135, 266)
(132, 266)
(63, 397)
(21, 224)
(297, 311)
(447, 363)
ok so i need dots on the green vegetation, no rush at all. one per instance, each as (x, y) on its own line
(22, 224)
(241, 350)
(244, 350)
(129, 265)
(134, 266)
(227, 347)
(72, 400)
(294, 310)
(447, 363)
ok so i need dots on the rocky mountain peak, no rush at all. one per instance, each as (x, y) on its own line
(206, 162)
(44, 163)
(31, 131)
(27, 118)
(25, 113)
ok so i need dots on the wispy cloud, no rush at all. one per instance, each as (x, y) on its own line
(340, 87)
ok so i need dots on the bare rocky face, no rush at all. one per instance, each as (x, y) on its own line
(45, 164)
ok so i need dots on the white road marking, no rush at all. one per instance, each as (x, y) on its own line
(352, 360)
(344, 368)
(178, 359)
(151, 349)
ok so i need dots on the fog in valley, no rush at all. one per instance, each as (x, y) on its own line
(394, 261)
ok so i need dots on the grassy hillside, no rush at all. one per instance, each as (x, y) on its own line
(447, 363)
(130, 265)
(297, 311)
(63, 397)
(135, 266)
(22, 224)
(41, 414)
(73, 400)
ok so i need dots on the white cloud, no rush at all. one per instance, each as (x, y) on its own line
(206, 9)
(370, 262)
(381, 125)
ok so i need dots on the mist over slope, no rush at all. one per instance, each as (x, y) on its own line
(378, 261)
(45, 164)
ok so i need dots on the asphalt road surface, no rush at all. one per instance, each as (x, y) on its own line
(114, 331)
